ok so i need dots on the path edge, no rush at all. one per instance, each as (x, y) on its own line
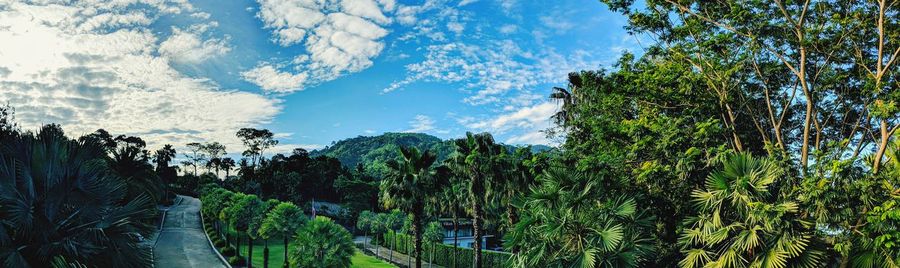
(213, 246)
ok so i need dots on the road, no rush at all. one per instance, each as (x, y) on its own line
(182, 242)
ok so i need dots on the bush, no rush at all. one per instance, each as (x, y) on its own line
(219, 242)
(236, 261)
(443, 254)
(228, 251)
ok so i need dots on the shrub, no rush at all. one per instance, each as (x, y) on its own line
(236, 261)
(219, 242)
(228, 251)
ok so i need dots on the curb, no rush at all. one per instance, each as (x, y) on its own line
(213, 246)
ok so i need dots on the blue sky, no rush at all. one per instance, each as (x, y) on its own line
(311, 71)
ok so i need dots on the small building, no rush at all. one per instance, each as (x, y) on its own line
(465, 232)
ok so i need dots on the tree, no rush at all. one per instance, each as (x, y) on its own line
(256, 141)
(240, 215)
(434, 234)
(167, 174)
(409, 185)
(366, 222)
(60, 204)
(567, 222)
(284, 221)
(322, 243)
(196, 158)
(477, 155)
(227, 164)
(214, 152)
(741, 223)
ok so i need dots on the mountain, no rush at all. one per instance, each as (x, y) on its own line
(374, 151)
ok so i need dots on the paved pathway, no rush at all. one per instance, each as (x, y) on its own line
(182, 242)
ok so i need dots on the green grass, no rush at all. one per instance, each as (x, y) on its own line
(361, 260)
(276, 255)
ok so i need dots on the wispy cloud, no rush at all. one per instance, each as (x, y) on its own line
(420, 124)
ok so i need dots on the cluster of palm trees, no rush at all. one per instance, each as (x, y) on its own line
(317, 243)
(75, 203)
(478, 173)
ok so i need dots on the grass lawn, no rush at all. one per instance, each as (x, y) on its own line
(361, 260)
(276, 256)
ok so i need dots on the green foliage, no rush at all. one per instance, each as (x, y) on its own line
(61, 203)
(322, 243)
(374, 152)
(282, 221)
(742, 224)
(434, 232)
(567, 223)
(443, 255)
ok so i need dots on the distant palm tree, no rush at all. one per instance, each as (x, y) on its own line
(284, 221)
(477, 154)
(61, 204)
(228, 164)
(452, 200)
(408, 185)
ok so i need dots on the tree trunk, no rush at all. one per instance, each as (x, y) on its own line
(477, 193)
(285, 251)
(238, 248)
(431, 258)
(455, 237)
(393, 245)
(417, 235)
(266, 255)
(249, 251)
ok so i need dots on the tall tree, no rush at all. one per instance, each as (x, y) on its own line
(478, 157)
(256, 141)
(283, 221)
(408, 186)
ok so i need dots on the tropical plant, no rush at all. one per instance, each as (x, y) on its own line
(282, 221)
(566, 222)
(477, 156)
(240, 214)
(322, 243)
(741, 223)
(61, 205)
(409, 185)
(434, 234)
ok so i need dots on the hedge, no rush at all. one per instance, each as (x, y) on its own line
(443, 254)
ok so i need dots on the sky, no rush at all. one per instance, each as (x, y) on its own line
(311, 71)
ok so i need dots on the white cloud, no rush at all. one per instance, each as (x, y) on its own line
(508, 28)
(339, 37)
(493, 69)
(187, 47)
(558, 23)
(529, 121)
(85, 67)
(456, 27)
(273, 80)
(466, 2)
(420, 124)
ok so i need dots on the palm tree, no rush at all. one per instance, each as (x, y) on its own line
(477, 155)
(60, 204)
(740, 223)
(451, 200)
(228, 164)
(322, 243)
(240, 215)
(567, 223)
(284, 220)
(408, 186)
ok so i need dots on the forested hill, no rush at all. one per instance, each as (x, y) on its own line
(374, 151)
